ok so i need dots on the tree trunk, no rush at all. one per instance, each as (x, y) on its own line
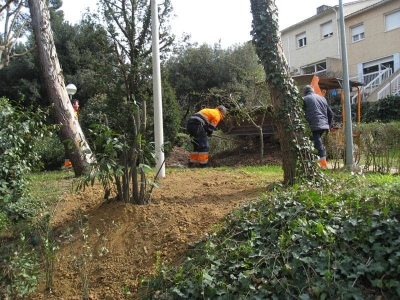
(298, 158)
(79, 153)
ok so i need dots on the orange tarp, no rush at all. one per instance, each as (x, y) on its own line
(315, 85)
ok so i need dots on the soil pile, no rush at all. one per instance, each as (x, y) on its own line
(106, 247)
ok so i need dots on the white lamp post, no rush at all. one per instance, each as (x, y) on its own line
(158, 117)
(71, 90)
(349, 160)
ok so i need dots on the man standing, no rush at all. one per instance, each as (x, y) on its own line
(200, 126)
(320, 118)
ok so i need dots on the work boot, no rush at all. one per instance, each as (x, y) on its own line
(322, 163)
(68, 164)
(207, 165)
(191, 164)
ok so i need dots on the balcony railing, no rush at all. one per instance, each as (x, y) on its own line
(372, 81)
(391, 88)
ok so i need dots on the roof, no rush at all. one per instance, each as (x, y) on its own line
(335, 8)
(310, 18)
(331, 83)
(367, 8)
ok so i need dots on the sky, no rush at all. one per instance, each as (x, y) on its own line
(213, 21)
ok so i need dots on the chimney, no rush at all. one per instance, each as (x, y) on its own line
(322, 8)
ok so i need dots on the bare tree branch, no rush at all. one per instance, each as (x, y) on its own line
(14, 24)
(6, 5)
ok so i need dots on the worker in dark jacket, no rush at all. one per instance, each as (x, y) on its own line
(320, 118)
(201, 126)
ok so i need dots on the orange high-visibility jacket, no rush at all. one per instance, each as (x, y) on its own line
(211, 116)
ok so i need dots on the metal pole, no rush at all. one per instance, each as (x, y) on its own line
(157, 98)
(346, 85)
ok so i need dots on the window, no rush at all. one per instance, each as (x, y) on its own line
(357, 33)
(301, 40)
(392, 20)
(308, 70)
(320, 67)
(372, 71)
(326, 30)
(316, 68)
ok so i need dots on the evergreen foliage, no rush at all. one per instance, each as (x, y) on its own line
(51, 152)
(337, 242)
(208, 75)
(19, 131)
(384, 110)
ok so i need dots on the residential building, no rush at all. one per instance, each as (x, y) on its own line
(372, 30)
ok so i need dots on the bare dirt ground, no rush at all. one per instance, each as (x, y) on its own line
(107, 247)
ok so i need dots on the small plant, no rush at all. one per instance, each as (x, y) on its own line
(183, 140)
(120, 166)
(20, 270)
(92, 246)
(44, 238)
(86, 256)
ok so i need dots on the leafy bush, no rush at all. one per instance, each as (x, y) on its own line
(19, 131)
(20, 270)
(97, 111)
(385, 110)
(101, 110)
(114, 157)
(379, 145)
(337, 242)
(183, 140)
(376, 146)
(219, 142)
(51, 152)
(171, 119)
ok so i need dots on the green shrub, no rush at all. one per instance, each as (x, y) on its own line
(171, 118)
(19, 131)
(379, 145)
(333, 242)
(376, 146)
(219, 142)
(385, 110)
(97, 111)
(51, 152)
(183, 140)
(101, 110)
(19, 271)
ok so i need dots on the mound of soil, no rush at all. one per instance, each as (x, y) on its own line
(106, 247)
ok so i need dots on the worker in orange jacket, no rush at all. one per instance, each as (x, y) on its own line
(75, 105)
(201, 126)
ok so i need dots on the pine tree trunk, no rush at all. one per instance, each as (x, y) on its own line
(79, 151)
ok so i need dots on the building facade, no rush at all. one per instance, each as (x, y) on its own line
(372, 29)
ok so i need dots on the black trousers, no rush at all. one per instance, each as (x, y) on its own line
(199, 139)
